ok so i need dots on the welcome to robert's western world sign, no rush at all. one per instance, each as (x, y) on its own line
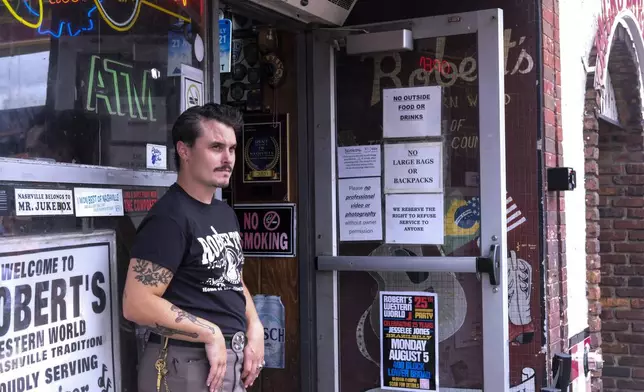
(57, 329)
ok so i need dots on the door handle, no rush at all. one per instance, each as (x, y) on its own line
(490, 265)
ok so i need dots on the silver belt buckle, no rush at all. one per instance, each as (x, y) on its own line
(238, 342)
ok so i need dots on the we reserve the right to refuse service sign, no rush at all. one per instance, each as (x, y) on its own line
(408, 341)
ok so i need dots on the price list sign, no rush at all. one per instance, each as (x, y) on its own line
(408, 341)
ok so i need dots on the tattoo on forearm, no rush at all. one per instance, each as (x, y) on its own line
(165, 331)
(151, 274)
(183, 315)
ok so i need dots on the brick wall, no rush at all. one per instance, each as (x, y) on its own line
(615, 228)
(556, 295)
(593, 260)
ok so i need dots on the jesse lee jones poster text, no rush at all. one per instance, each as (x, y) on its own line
(55, 330)
(409, 343)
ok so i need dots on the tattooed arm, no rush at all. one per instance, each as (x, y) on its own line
(143, 304)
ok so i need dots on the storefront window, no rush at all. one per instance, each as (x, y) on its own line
(96, 82)
(129, 340)
(89, 82)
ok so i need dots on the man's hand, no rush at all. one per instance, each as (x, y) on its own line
(143, 304)
(253, 353)
(217, 356)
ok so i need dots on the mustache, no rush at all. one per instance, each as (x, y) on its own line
(224, 168)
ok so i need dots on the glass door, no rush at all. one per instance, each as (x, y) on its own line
(410, 198)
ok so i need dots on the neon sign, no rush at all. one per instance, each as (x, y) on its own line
(65, 26)
(429, 64)
(127, 23)
(112, 86)
(56, 2)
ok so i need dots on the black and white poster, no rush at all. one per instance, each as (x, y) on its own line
(360, 209)
(412, 111)
(414, 219)
(409, 341)
(57, 330)
(4, 203)
(44, 202)
(359, 161)
(413, 167)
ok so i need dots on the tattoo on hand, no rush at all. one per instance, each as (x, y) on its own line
(151, 274)
(165, 331)
(183, 315)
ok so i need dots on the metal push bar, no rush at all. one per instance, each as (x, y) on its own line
(490, 265)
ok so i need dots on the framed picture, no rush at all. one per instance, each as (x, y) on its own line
(262, 169)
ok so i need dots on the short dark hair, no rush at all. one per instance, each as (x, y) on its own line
(187, 128)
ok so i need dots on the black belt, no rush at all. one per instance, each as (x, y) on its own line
(235, 342)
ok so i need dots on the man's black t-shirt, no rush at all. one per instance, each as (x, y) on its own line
(201, 245)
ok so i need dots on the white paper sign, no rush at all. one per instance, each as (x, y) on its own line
(360, 209)
(39, 202)
(359, 161)
(156, 156)
(414, 219)
(413, 167)
(57, 332)
(191, 87)
(98, 202)
(412, 111)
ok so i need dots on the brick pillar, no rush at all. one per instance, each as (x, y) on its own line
(615, 228)
(556, 287)
(622, 255)
(593, 259)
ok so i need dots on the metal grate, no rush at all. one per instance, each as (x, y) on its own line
(346, 4)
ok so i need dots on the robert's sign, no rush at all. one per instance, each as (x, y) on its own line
(59, 319)
(267, 230)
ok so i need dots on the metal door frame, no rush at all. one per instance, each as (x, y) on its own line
(489, 26)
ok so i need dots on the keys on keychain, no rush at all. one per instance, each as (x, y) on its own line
(162, 369)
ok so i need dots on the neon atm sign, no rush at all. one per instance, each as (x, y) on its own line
(119, 89)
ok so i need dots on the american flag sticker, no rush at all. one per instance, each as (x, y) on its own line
(514, 216)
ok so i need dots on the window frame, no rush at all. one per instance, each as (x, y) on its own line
(35, 171)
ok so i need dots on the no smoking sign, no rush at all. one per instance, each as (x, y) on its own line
(267, 230)
(271, 220)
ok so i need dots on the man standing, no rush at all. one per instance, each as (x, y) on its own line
(185, 276)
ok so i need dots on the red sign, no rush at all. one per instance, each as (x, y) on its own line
(139, 201)
(429, 64)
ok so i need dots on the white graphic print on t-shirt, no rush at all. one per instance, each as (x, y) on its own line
(222, 252)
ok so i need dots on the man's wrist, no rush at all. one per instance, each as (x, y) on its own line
(254, 322)
(255, 327)
(211, 334)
